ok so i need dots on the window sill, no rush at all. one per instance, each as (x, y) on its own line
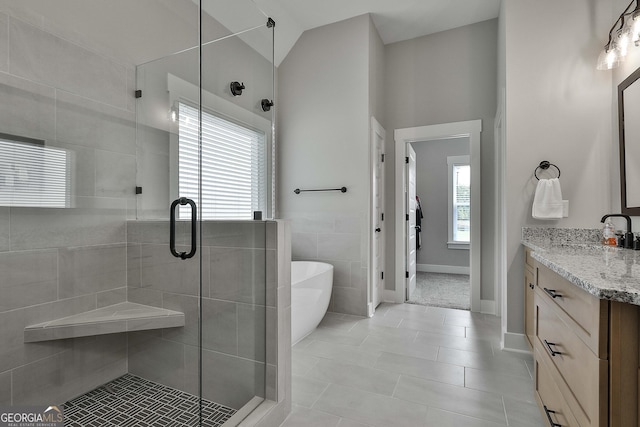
(458, 245)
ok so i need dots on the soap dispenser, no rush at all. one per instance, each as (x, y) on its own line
(609, 234)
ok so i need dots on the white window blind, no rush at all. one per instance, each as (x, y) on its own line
(33, 175)
(233, 166)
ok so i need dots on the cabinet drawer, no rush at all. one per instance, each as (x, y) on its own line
(581, 376)
(586, 314)
(553, 406)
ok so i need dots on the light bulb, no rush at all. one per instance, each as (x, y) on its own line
(635, 30)
(623, 43)
(609, 58)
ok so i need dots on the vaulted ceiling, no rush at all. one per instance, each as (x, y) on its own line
(396, 20)
(142, 30)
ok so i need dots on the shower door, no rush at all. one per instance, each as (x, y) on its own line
(204, 141)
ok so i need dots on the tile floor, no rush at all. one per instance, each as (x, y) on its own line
(410, 365)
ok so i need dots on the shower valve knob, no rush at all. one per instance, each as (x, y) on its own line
(236, 88)
(266, 104)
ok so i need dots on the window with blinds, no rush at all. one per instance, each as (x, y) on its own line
(32, 175)
(233, 166)
(461, 203)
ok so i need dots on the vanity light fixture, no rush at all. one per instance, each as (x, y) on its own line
(624, 34)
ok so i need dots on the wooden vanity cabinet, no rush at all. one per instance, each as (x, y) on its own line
(529, 289)
(587, 355)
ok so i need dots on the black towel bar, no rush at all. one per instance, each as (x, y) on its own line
(342, 190)
(544, 165)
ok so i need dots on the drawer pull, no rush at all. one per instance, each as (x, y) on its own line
(552, 351)
(549, 412)
(552, 293)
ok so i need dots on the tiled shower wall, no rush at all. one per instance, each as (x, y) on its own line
(237, 260)
(340, 240)
(58, 262)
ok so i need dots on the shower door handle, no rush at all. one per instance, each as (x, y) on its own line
(172, 228)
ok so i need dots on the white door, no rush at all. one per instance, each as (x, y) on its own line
(411, 221)
(377, 214)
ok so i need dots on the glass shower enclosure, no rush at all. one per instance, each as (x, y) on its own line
(135, 180)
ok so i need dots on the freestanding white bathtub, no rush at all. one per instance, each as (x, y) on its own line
(311, 284)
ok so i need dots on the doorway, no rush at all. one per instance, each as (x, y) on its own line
(405, 279)
(438, 183)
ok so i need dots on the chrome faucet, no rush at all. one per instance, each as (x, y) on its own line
(628, 237)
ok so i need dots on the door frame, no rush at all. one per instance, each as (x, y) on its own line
(411, 206)
(470, 129)
(376, 131)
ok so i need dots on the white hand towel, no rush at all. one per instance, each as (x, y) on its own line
(547, 203)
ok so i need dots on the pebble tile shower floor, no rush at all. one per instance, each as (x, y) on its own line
(131, 401)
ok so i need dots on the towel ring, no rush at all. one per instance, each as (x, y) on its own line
(544, 165)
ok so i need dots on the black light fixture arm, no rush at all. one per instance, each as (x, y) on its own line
(621, 19)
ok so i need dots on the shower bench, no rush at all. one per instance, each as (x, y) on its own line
(121, 317)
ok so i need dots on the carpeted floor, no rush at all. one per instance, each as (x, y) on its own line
(442, 290)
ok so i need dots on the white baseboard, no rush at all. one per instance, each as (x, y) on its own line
(514, 342)
(389, 296)
(370, 309)
(448, 269)
(487, 306)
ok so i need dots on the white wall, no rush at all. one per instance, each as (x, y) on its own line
(324, 97)
(441, 78)
(558, 108)
(432, 186)
(376, 75)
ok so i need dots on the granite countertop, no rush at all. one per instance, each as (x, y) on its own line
(606, 272)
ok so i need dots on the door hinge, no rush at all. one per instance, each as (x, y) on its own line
(406, 274)
(406, 159)
(138, 190)
(407, 217)
(138, 93)
(382, 158)
(382, 275)
(382, 219)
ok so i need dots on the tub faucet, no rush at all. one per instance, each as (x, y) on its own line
(628, 237)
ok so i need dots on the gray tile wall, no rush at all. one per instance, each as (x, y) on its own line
(340, 240)
(59, 262)
(246, 298)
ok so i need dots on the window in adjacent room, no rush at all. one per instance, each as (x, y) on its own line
(459, 202)
(233, 165)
